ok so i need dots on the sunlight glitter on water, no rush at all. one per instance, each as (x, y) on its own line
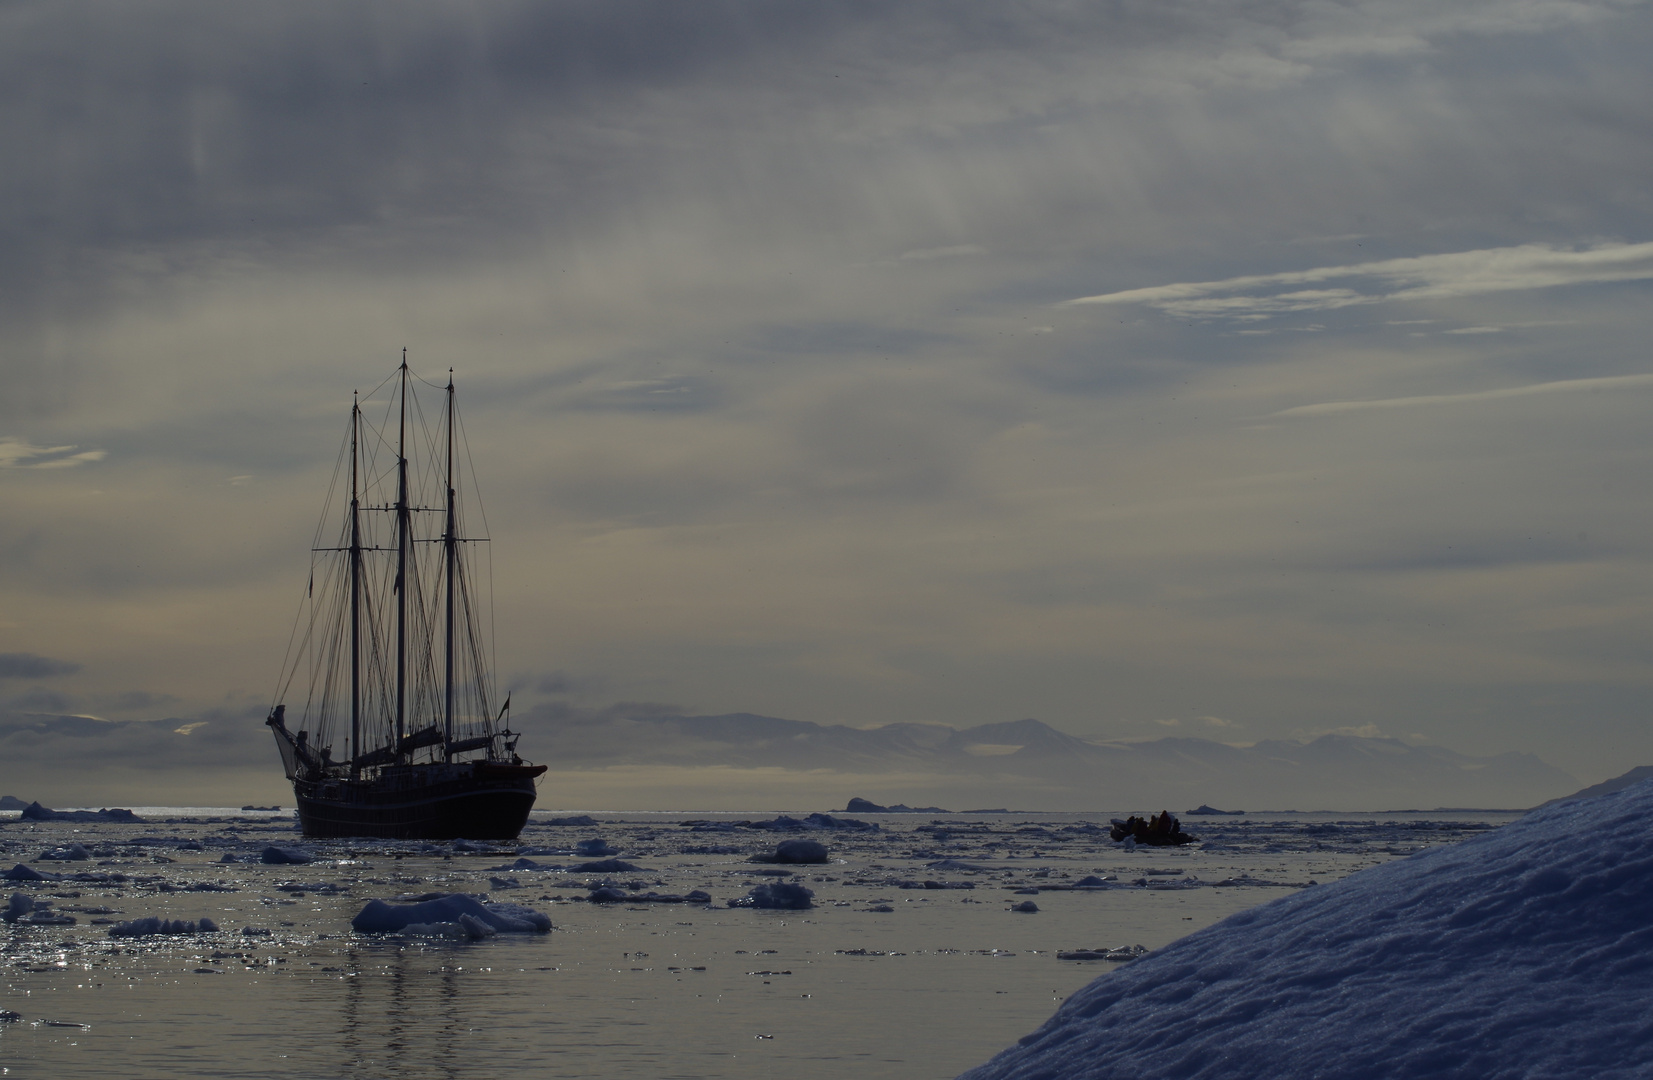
(936, 984)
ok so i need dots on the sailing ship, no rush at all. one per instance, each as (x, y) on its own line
(397, 734)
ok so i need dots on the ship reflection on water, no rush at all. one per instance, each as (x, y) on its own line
(403, 1014)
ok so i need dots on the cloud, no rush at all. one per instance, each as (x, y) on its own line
(135, 701)
(1362, 731)
(1423, 277)
(42, 701)
(29, 666)
(1563, 386)
(953, 252)
(18, 454)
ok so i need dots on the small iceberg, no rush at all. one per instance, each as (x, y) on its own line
(452, 916)
(777, 894)
(286, 856)
(72, 853)
(151, 926)
(795, 851)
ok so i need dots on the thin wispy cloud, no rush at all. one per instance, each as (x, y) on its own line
(952, 252)
(18, 454)
(1424, 277)
(1563, 386)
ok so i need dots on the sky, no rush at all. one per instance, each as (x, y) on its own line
(1239, 371)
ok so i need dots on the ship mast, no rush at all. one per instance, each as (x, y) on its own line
(449, 544)
(403, 527)
(355, 595)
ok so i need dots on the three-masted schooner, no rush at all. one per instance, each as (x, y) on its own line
(394, 637)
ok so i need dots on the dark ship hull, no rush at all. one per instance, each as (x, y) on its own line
(479, 800)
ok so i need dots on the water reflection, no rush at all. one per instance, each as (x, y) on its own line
(403, 1014)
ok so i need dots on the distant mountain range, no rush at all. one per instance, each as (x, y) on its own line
(1035, 759)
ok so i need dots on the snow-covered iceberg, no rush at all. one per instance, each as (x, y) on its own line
(1525, 952)
(455, 916)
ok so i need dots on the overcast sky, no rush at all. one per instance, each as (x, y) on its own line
(1148, 367)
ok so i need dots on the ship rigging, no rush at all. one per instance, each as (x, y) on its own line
(394, 640)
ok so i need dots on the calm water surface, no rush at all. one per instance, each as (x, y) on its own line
(935, 985)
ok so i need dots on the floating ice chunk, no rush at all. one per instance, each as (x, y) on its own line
(530, 864)
(25, 909)
(777, 894)
(504, 883)
(612, 894)
(609, 866)
(24, 873)
(1119, 955)
(20, 905)
(72, 853)
(796, 851)
(595, 847)
(813, 822)
(449, 914)
(147, 927)
(464, 928)
(1026, 907)
(282, 856)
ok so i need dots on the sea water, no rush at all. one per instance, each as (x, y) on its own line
(935, 984)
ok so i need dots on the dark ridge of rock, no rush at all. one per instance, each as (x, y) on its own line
(35, 812)
(867, 806)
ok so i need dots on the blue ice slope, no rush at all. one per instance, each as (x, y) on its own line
(1527, 952)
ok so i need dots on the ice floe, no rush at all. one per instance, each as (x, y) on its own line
(283, 856)
(454, 915)
(152, 925)
(795, 851)
(777, 894)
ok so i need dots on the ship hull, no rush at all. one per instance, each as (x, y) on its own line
(480, 800)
